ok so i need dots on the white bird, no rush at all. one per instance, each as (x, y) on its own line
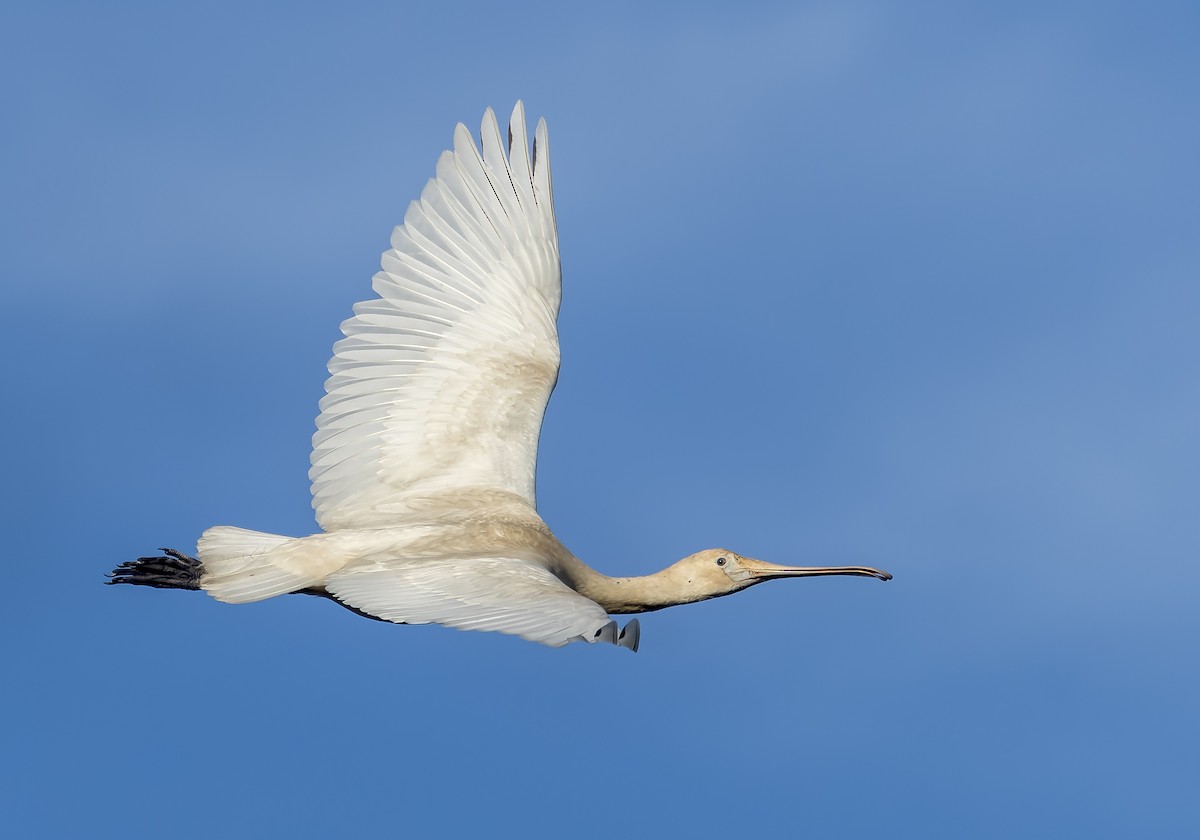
(425, 452)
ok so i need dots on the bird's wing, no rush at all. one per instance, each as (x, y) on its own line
(505, 595)
(441, 382)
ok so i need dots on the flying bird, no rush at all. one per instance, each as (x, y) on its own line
(425, 452)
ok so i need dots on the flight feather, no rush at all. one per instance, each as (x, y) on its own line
(441, 382)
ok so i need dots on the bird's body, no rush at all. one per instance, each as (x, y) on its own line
(424, 458)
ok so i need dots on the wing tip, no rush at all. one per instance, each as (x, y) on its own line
(516, 120)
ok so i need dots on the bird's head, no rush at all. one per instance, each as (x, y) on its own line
(719, 571)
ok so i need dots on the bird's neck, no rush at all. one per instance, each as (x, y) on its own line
(619, 595)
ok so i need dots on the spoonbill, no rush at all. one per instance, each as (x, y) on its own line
(424, 456)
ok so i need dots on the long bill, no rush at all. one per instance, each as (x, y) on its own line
(760, 570)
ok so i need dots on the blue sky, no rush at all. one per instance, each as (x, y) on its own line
(909, 285)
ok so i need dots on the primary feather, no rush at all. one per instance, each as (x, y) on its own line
(425, 453)
(441, 382)
(426, 445)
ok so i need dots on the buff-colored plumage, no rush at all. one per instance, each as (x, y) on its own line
(425, 454)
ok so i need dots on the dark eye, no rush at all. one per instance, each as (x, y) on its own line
(720, 561)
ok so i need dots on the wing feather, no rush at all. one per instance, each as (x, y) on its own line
(493, 594)
(441, 382)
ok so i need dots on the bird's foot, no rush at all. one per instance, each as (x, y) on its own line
(172, 570)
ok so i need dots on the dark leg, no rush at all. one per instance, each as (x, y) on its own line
(172, 570)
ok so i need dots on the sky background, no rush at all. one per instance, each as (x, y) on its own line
(907, 285)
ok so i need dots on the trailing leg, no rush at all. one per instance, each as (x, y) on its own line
(172, 570)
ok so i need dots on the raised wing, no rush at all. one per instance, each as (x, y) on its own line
(441, 382)
(504, 595)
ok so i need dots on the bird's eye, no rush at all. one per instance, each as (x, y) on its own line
(720, 561)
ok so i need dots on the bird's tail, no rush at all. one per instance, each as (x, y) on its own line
(239, 568)
(235, 565)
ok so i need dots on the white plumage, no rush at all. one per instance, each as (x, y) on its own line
(435, 397)
(441, 382)
(425, 454)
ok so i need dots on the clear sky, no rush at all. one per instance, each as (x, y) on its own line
(908, 285)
